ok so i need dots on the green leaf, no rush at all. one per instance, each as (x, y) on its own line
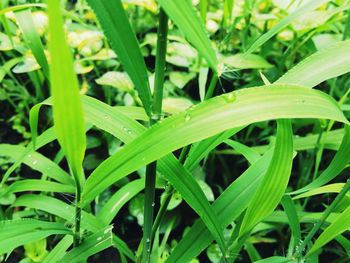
(184, 16)
(338, 163)
(58, 251)
(32, 38)
(127, 130)
(246, 61)
(208, 118)
(293, 219)
(248, 153)
(15, 233)
(67, 107)
(275, 259)
(119, 199)
(275, 181)
(36, 161)
(228, 206)
(116, 26)
(119, 80)
(330, 188)
(90, 246)
(38, 185)
(341, 224)
(311, 5)
(322, 65)
(67, 212)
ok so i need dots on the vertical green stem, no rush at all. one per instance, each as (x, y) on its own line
(156, 115)
(77, 214)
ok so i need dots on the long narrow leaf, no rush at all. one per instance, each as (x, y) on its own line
(184, 16)
(271, 189)
(15, 233)
(232, 110)
(67, 107)
(118, 30)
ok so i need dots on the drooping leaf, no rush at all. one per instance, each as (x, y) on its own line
(15, 233)
(232, 110)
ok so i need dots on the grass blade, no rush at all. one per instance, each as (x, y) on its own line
(58, 251)
(184, 16)
(117, 28)
(338, 163)
(90, 246)
(67, 107)
(311, 5)
(209, 118)
(15, 233)
(313, 70)
(274, 183)
(228, 206)
(32, 38)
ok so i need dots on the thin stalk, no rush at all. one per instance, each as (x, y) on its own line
(212, 85)
(151, 169)
(76, 240)
(320, 222)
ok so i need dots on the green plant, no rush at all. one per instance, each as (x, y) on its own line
(158, 139)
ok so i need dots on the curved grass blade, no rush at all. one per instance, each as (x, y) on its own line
(311, 5)
(32, 38)
(61, 209)
(275, 181)
(127, 130)
(232, 110)
(201, 149)
(15, 233)
(228, 206)
(330, 188)
(119, 199)
(37, 162)
(341, 224)
(117, 28)
(338, 163)
(67, 107)
(248, 153)
(184, 16)
(56, 254)
(93, 244)
(38, 185)
(320, 66)
(6, 67)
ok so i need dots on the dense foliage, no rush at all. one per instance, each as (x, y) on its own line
(174, 131)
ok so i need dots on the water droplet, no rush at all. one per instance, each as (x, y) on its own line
(148, 240)
(106, 231)
(106, 117)
(148, 250)
(153, 204)
(187, 117)
(29, 155)
(67, 207)
(34, 162)
(230, 97)
(99, 238)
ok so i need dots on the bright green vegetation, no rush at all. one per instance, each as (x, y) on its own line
(175, 131)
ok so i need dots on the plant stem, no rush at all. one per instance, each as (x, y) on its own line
(320, 222)
(77, 215)
(212, 85)
(151, 169)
